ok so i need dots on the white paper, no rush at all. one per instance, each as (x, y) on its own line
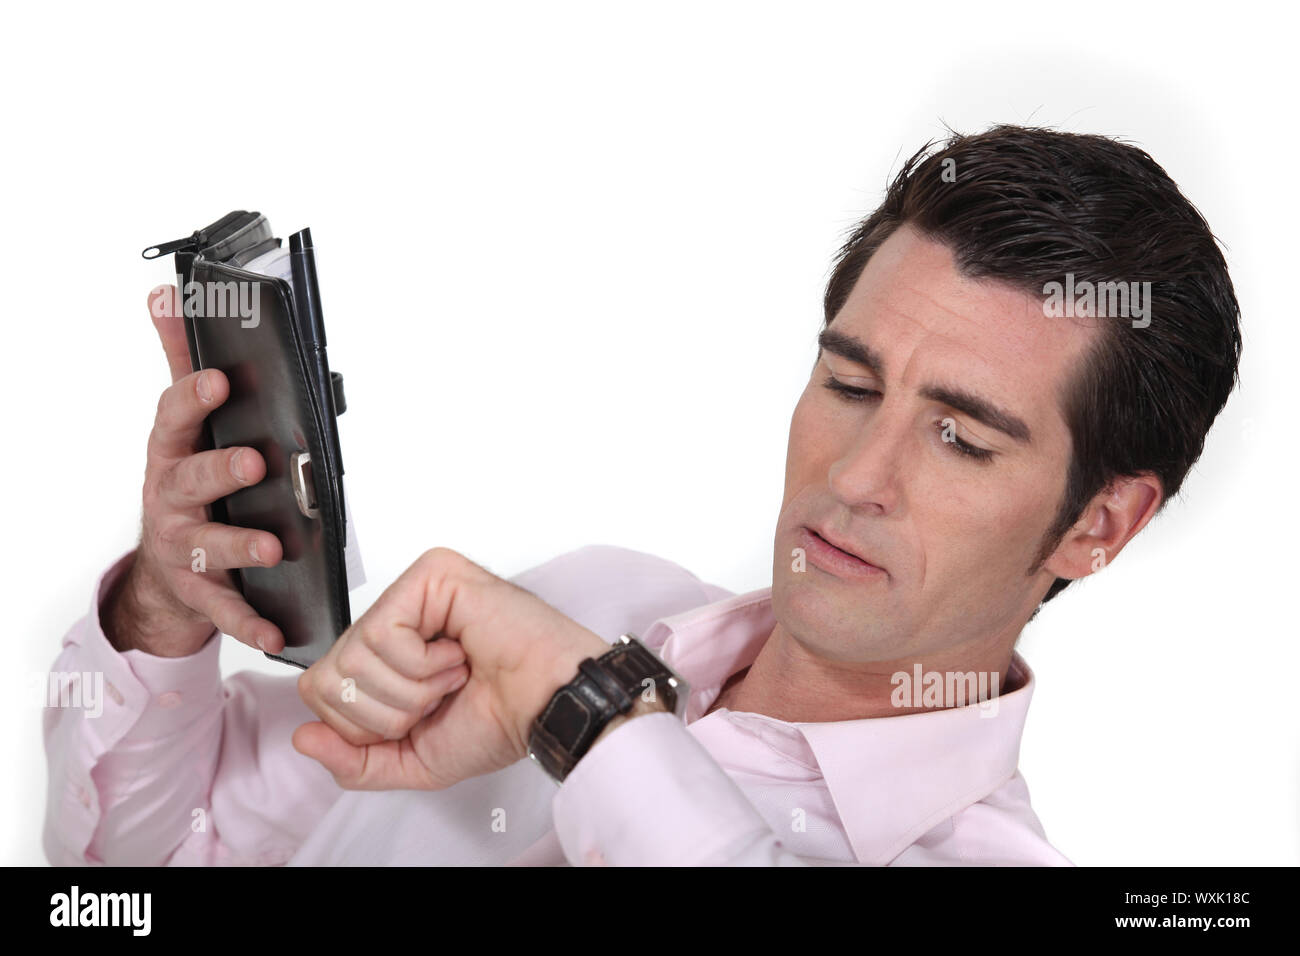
(353, 568)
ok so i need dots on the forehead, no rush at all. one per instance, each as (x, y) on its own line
(930, 325)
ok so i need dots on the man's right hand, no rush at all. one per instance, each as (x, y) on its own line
(161, 604)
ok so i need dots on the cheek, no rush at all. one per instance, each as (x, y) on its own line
(797, 444)
(810, 448)
(1027, 499)
(991, 528)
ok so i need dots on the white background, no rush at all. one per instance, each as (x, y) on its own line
(572, 259)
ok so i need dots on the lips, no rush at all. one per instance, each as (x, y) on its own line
(842, 545)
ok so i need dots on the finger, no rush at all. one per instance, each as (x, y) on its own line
(390, 765)
(402, 648)
(164, 309)
(420, 605)
(446, 684)
(374, 678)
(217, 547)
(226, 608)
(357, 716)
(203, 477)
(182, 407)
(351, 690)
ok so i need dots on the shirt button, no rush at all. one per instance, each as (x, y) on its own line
(169, 699)
(114, 693)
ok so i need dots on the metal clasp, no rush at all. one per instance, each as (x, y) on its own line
(304, 488)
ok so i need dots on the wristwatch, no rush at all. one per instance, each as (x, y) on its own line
(605, 687)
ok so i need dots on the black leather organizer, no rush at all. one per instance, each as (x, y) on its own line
(265, 331)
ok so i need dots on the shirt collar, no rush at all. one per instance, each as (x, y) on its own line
(892, 779)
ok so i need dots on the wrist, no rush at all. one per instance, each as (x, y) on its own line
(558, 670)
(135, 616)
(627, 680)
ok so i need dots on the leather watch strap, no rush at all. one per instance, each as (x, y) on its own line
(570, 723)
(603, 688)
(632, 664)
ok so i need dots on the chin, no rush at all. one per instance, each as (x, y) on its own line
(829, 616)
(812, 601)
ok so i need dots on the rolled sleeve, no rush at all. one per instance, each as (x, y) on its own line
(163, 762)
(128, 706)
(146, 696)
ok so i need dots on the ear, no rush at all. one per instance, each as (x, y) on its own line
(1107, 524)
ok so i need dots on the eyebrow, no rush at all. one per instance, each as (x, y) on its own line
(967, 402)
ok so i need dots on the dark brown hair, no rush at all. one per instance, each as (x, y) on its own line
(1027, 205)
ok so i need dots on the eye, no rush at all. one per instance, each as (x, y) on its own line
(960, 447)
(857, 396)
(849, 393)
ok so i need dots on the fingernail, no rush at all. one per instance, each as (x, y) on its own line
(236, 467)
(252, 550)
(261, 645)
(205, 389)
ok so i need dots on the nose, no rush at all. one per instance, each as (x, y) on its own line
(866, 477)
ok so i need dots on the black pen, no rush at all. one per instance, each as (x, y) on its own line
(302, 257)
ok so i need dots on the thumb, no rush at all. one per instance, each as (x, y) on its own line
(323, 744)
(168, 319)
(389, 765)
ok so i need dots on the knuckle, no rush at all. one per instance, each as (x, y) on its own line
(166, 537)
(200, 540)
(183, 482)
(151, 493)
(439, 557)
(370, 636)
(443, 562)
(351, 659)
(154, 461)
(212, 474)
(168, 405)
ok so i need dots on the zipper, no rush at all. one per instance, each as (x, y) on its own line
(188, 244)
(201, 238)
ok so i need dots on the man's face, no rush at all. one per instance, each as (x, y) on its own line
(961, 364)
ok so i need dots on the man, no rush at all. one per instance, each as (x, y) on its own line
(988, 419)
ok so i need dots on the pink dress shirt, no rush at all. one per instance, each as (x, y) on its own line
(183, 768)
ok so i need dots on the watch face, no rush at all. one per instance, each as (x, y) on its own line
(578, 710)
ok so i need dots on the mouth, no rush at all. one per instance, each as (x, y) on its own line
(834, 556)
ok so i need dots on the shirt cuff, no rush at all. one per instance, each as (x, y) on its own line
(649, 794)
(144, 695)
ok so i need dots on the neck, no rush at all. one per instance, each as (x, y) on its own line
(791, 683)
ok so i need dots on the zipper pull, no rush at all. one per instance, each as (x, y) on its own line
(191, 241)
